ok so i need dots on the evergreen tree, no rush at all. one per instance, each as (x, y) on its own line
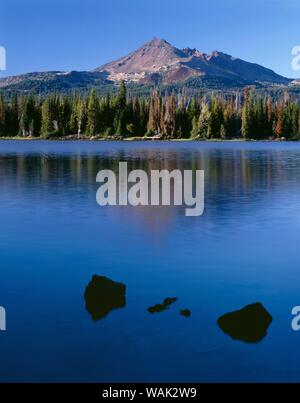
(183, 126)
(12, 117)
(295, 121)
(259, 126)
(204, 123)
(169, 117)
(27, 121)
(229, 121)
(195, 133)
(216, 119)
(247, 115)
(120, 122)
(47, 127)
(155, 112)
(2, 117)
(121, 99)
(93, 113)
(65, 116)
(270, 117)
(279, 121)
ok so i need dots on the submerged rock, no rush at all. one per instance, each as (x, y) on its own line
(103, 295)
(162, 307)
(157, 308)
(185, 312)
(248, 324)
(169, 300)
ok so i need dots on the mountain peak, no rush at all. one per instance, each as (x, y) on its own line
(217, 53)
(159, 61)
(192, 52)
(154, 56)
(157, 42)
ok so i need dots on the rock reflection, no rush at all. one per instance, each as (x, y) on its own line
(248, 324)
(103, 295)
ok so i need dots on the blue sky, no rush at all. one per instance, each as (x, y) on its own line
(83, 34)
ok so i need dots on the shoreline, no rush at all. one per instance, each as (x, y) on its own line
(141, 139)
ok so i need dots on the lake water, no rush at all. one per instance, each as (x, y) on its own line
(243, 249)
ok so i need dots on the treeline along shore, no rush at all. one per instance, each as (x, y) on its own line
(174, 116)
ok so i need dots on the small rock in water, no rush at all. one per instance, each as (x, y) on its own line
(103, 295)
(248, 324)
(162, 307)
(169, 300)
(185, 312)
(157, 308)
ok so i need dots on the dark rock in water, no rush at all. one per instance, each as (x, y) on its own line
(157, 308)
(185, 312)
(162, 307)
(169, 300)
(103, 295)
(248, 324)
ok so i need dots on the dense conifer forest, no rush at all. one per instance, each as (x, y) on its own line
(173, 116)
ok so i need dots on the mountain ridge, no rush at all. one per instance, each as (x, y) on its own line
(173, 64)
(155, 63)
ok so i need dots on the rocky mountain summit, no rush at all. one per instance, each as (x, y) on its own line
(159, 61)
(156, 63)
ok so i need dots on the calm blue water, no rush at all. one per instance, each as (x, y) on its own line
(54, 238)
